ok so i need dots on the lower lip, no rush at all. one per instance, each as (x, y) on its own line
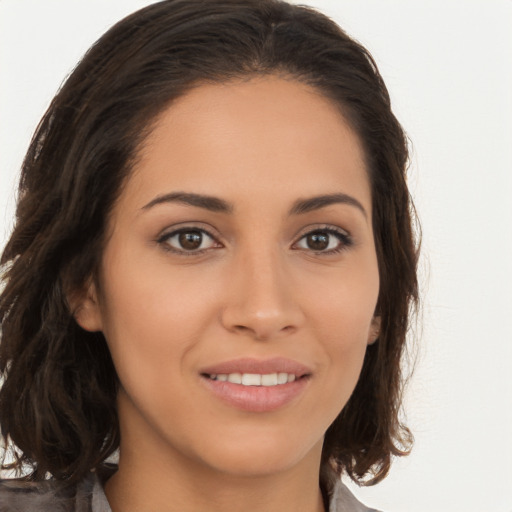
(256, 398)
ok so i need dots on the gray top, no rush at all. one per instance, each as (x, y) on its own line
(88, 496)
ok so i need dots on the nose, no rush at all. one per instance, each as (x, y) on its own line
(262, 302)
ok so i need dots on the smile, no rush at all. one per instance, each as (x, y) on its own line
(255, 379)
(255, 385)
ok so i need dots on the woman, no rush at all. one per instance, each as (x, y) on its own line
(212, 270)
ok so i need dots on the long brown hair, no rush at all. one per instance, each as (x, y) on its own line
(57, 402)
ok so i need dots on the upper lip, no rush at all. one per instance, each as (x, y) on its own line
(261, 366)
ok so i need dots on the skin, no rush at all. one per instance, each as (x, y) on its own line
(255, 289)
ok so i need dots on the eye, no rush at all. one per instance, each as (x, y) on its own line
(188, 240)
(325, 240)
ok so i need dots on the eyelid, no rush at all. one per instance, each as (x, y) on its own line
(345, 238)
(166, 234)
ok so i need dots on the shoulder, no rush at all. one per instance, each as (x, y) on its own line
(57, 496)
(46, 496)
(21, 496)
(343, 500)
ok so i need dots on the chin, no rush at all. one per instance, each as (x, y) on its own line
(262, 455)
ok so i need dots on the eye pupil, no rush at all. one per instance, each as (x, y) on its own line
(190, 240)
(318, 241)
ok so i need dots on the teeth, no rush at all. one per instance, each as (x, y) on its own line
(251, 379)
(269, 379)
(255, 379)
(282, 378)
(235, 378)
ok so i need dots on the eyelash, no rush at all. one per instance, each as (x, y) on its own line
(343, 237)
(166, 237)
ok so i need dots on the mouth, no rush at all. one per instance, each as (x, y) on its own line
(257, 385)
(255, 379)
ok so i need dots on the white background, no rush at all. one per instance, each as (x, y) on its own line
(448, 65)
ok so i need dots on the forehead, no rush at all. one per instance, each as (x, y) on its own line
(266, 138)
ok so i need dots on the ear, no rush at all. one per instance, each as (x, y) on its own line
(85, 308)
(374, 332)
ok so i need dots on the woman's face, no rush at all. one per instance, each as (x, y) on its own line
(238, 286)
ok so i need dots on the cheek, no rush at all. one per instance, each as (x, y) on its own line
(341, 313)
(152, 314)
(145, 291)
(343, 308)
(153, 322)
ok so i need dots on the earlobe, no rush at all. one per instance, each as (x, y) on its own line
(86, 309)
(374, 332)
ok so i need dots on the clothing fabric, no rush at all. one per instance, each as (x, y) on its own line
(88, 496)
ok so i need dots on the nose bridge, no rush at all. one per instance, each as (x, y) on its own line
(261, 300)
(265, 278)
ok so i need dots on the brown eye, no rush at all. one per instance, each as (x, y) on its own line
(188, 241)
(326, 241)
(317, 241)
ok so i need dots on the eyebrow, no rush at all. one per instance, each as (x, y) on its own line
(218, 205)
(214, 204)
(315, 203)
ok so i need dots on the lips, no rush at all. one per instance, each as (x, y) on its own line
(257, 366)
(257, 385)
